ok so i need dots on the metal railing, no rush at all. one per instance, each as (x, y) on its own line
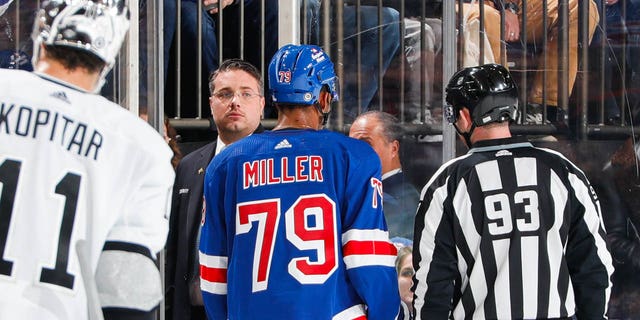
(392, 93)
(606, 78)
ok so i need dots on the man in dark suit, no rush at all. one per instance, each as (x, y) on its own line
(236, 104)
(383, 132)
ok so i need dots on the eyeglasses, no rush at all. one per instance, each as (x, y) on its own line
(227, 96)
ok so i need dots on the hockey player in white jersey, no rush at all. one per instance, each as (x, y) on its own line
(4, 4)
(75, 169)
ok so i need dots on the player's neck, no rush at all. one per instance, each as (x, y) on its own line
(497, 131)
(298, 118)
(78, 77)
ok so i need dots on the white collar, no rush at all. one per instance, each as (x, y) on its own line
(391, 172)
(219, 145)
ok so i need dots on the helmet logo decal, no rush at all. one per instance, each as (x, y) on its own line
(99, 43)
(284, 76)
(317, 55)
(298, 73)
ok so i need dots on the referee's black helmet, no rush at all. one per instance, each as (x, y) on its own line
(488, 91)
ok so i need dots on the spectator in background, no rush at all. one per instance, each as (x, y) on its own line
(355, 102)
(169, 9)
(507, 231)
(11, 59)
(621, 36)
(294, 232)
(383, 133)
(621, 215)
(492, 22)
(366, 81)
(415, 27)
(189, 43)
(404, 267)
(514, 19)
(417, 56)
(210, 42)
(15, 42)
(236, 104)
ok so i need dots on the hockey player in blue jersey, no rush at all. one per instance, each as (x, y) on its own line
(293, 227)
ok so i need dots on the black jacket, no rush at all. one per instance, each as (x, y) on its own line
(182, 244)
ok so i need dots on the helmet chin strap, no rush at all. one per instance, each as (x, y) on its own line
(325, 118)
(103, 78)
(466, 135)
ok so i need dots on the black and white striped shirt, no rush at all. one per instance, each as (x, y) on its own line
(510, 231)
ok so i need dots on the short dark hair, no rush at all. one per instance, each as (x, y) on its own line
(391, 128)
(72, 58)
(236, 64)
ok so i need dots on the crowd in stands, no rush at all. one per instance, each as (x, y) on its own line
(371, 54)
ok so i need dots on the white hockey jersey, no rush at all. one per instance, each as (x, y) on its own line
(4, 5)
(73, 166)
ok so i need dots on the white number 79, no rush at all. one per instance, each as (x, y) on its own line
(321, 236)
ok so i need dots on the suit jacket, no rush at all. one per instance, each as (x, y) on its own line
(400, 202)
(186, 214)
(184, 224)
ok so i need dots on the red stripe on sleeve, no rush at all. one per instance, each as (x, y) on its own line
(213, 274)
(369, 247)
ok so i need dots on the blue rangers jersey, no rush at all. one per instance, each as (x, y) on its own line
(294, 228)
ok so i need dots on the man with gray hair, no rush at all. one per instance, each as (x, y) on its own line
(400, 199)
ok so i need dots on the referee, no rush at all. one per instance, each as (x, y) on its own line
(507, 231)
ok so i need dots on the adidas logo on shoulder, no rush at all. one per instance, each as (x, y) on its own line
(283, 144)
(503, 153)
(61, 95)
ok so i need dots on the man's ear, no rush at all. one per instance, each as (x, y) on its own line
(325, 101)
(395, 148)
(464, 119)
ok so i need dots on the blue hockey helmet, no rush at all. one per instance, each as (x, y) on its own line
(297, 74)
